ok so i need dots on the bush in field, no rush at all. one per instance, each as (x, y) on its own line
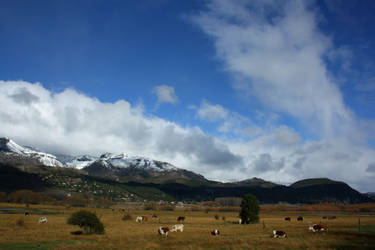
(88, 221)
(249, 209)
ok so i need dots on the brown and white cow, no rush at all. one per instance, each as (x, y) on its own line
(163, 230)
(181, 219)
(176, 228)
(287, 219)
(279, 234)
(318, 228)
(215, 232)
(299, 218)
(141, 219)
(155, 217)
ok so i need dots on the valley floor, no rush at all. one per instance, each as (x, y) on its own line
(343, 231)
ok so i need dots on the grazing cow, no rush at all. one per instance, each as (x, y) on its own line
(318, 228)
(331, 217)
(27, 214)
(163, 230)
(215, 232)
(180, 218)
(300, 218)
(154, 216)
(141, 219)
(287, 219)
(176, 228)
(279, 234)
(43, 220)
(324, 217)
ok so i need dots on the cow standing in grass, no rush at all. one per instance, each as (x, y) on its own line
(163, 231)
(215, 232)
(300, 218)
(287, 219)
(140, 219)
(177, 228)
(43, 220)
(318, 228)
(279, 234)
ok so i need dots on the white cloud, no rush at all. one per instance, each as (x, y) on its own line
(278, 50)
(165, 94)
(72, 123)
(211, 112)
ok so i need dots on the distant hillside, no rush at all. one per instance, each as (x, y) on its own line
(313, 181)
(123, 178)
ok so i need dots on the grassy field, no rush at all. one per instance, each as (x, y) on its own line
(343, 232)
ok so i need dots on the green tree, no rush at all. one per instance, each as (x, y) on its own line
(249, 209)
(88, 221)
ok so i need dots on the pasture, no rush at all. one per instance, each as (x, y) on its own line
(18, 231)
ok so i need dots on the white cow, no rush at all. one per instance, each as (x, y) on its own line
(43, 220)
(239, 221)
(178, 227)
(141, 218)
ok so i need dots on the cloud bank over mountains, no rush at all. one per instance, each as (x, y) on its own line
(70, 122)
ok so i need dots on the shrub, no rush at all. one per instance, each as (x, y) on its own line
(249, 209)
(216, 216)
(88, 221)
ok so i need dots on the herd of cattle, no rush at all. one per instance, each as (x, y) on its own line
(163, 230)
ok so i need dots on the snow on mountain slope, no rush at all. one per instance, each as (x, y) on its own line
(10, 147)
(80, 162)
(124, 161)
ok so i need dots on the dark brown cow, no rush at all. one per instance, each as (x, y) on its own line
(215, 232)
(163, 230)
(181, 219)
(331, 217)
(287, 219)
(300, 218)
(279, 234)
(318, 228)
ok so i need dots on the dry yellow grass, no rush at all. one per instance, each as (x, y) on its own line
(343, 231)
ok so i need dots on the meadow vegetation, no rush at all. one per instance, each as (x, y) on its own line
(343, 231)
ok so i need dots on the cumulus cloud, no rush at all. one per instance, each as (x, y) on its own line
(277, 50)
(165, 94)
(211, 112)
(69, 122)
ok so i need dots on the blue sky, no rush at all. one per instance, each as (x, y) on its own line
(229, 89)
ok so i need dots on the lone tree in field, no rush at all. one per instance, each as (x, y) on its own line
(88, 221)
(249, 209)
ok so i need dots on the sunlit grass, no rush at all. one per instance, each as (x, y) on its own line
(119, 234)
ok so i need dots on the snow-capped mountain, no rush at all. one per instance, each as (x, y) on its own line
(117, 167)
(9, 147)
(123, 167)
